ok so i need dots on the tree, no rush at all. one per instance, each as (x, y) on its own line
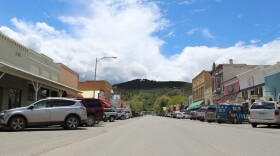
(160, 103)
(176, 100)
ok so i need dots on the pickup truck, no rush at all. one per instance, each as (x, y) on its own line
(110, 114)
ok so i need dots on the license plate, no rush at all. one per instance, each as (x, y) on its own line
(261, 114)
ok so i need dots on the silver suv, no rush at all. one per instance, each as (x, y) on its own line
(68, 113)
(264, 112)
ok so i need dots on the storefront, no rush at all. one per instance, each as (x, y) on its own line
(252, 85)
(272, 85)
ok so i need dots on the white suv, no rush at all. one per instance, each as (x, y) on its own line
(68, 113)
(264, 112)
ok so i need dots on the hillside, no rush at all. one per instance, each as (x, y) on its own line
(143, 93)
(140, 84)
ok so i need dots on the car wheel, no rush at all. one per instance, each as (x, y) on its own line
(72, 122)
(254, 125)
(105, 120)
(111, 119)
(17, 123)
(90, 120)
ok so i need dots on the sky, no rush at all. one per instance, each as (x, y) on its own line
(161, 40)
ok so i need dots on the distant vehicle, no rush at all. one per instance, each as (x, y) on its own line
(121, 113)
(264, 113)
(186, 115)
(193, 114)
(128, 114)
(68, 113)
(95, 110)
(179, 115)
(210, 113)
(173, 115)
(110, 114)
(230, 113)
(200, 113)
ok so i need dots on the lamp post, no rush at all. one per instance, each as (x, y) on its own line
(96, 69)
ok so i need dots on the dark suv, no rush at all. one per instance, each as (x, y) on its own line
(95, 110)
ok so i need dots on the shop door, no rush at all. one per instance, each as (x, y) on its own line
(14, 98)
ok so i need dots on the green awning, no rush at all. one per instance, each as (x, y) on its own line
(195, 105)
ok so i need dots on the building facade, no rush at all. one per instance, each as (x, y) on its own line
(252, 85)
(199, 84)
(26, 76)
(97, 89)
(272, 85)
(208, 95)
(222, 73)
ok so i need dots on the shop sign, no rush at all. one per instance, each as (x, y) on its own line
(255, 97)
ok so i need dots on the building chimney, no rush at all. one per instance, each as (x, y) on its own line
(230, 61)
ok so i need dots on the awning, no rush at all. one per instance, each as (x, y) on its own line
(195, 105)
(105, 104)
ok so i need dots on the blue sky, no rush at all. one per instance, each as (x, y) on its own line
(159, 40)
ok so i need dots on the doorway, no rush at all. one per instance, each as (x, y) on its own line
(14, 98)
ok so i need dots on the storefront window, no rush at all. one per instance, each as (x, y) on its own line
(31, 93)
(43, 93)
(218, 82)
(14, 98)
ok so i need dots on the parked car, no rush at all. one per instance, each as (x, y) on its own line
(128, 114)
(230, 113)
(68, 113)
(173, 115)
(200, 113)
(179, 115)
(265, 113)
(210, 113)
(95, 110)
(110, 114)
(186, 115)
(193, 114)
(121, 113)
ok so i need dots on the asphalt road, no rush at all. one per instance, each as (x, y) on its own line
(145, 136)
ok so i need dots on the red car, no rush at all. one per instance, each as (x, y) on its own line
(95, 110)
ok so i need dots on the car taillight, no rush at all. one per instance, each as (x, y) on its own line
(276, 112)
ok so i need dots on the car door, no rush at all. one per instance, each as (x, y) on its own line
(40, 113)
(61, 108)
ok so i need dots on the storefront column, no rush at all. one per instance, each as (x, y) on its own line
(60, 92)
(36, 86)
(2, 75)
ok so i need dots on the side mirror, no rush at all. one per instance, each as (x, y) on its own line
(31, 107)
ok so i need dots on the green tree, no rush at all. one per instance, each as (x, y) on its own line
(161, 102)
(176, 100)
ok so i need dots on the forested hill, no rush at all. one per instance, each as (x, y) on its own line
(143, 84)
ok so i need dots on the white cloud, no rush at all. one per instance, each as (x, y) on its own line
(187, 2)
(207, 34)
(254, 41)
(126, 29)
(203, 31)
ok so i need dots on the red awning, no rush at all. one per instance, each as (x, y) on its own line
(105, 104)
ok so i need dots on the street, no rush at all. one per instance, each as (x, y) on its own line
(145, 136)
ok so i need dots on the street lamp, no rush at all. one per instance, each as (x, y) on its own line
(96, 69)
